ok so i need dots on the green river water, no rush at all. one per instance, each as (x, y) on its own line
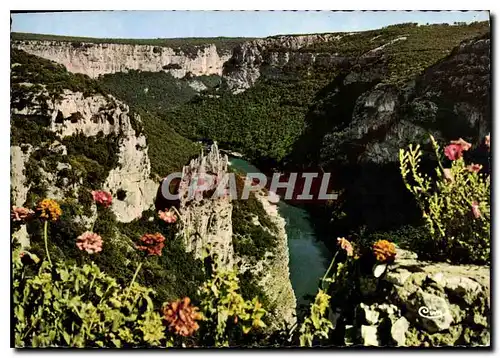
(308, 255)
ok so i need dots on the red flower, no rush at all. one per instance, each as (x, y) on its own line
(102, 197)
(475, 209)
(474, 167)
(153, 244)
(168, 216)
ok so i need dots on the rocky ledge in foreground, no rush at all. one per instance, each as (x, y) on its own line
(417, 303)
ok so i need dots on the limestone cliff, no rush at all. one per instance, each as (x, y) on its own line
(74, 114)
(250, 58)
(98, 59)
(208, 229)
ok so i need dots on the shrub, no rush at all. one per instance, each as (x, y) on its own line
(71, 306)
(455, 206)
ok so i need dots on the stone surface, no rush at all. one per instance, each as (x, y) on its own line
(93, 115)
(99, 59)
(398, 331)
(369, 335)
(18, 185)
(434, 303)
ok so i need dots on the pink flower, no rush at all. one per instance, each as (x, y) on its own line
(474, 167)
(102, 197)
(465, 145)
(21, 214)
(168, 216)
(346, 245)
(90, 242)
(448, 175)
(454, 150)
(475, 210)
(487, 141)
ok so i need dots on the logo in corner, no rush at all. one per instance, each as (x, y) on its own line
(427, 312)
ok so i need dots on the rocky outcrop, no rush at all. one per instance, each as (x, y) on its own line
(73, 113)
(207, 221)
(251, 58)
(417, 303)
(208, 230)
(95, 59)
(273, 272)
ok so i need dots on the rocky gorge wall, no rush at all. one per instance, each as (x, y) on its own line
(98, 59)
(208, 229)
(419, 303)
(73, 114)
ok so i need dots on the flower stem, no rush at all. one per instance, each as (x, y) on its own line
(45, 226)
(133, 279)
(329, 268)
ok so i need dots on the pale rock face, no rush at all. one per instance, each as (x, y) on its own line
(92, 115)
(275, 277)
(244, 67)
(18, 160)
(134, 167)
(437, 300)
(99, 59)
(207, 221)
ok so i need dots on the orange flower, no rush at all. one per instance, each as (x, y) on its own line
(181, 317)
(384, 251)
(21, 214)
(49, 209)
(346, 245)
(168, 216)
(153, 244)
(90, 242)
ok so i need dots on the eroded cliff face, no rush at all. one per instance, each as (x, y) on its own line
(99, 59)
(250, 58)
(208, 230)
(74, 114)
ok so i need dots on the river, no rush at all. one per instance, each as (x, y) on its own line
(309, 257)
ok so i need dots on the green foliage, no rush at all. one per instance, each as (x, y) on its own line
(174, 274)
(30, 129)
(148, 90)
(150, 94)
(92, 158)
(447, 206)
(316, 325)
(27, 68)
(71, 306)
(223, 308)
(249, 239)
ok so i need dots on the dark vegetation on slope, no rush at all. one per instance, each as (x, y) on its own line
(188, 45)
